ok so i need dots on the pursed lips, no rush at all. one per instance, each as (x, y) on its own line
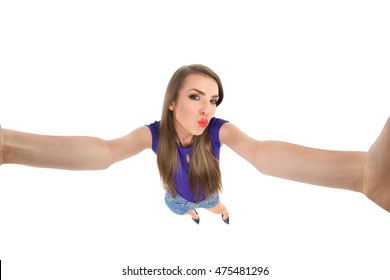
(203, 123)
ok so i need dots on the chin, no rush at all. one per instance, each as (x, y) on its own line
(199, 131)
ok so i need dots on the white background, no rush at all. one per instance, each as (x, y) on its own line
(314, 73)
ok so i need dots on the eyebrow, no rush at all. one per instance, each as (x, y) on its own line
(202, 93)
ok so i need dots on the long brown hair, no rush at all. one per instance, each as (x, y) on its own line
(204, 173)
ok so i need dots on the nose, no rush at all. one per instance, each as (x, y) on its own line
(205, 109)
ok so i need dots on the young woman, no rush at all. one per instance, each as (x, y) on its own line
(187, 142)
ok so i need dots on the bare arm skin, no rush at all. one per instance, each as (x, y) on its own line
(364, 172)
(70, 152)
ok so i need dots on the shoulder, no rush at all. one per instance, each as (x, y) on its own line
(238, 141)
(154, 127)
(226, 130)
(230, 135)
(215, 126)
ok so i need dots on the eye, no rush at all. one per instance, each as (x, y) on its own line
(214, 101)
(194, 97)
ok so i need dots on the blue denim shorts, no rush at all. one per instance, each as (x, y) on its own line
(180, 205)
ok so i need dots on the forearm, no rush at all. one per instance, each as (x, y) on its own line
(62, 152)
(336, 169)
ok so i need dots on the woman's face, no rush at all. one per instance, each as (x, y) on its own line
(194, 106)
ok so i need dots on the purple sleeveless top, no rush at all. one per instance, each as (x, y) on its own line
(181, 178)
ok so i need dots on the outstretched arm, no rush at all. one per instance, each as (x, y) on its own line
(364, 172)
(70, 152)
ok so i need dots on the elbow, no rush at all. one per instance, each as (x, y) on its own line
(103, 163)
(99, 160)
(106, 165)
(103, 166)
(259, 159)
(94, 167)
(105, 159)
